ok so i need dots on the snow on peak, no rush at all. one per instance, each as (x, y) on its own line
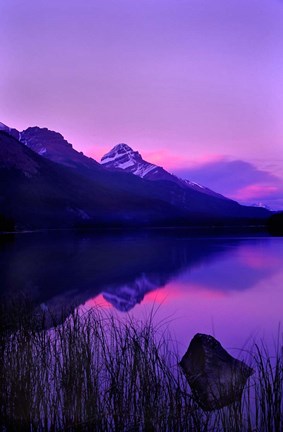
(119, 151)
(122, 147)
(124, 157)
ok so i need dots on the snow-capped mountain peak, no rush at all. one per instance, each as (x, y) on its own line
(124, 157)
(121, 148)
(119, 154)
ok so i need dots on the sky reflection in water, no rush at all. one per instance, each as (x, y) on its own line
(229, 286)
(235, 294)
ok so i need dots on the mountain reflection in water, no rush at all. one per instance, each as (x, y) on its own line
(62, 270)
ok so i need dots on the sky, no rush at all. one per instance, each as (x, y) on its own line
(194, 85)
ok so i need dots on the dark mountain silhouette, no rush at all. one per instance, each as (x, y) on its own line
(45, 183)
(38, 193)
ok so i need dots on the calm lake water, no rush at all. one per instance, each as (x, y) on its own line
(228, 286)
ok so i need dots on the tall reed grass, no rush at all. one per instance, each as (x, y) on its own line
(96, 373)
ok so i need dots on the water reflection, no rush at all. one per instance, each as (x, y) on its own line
(210, 283)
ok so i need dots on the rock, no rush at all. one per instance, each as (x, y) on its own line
(216, 378)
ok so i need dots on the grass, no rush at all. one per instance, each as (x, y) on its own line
(96, 373)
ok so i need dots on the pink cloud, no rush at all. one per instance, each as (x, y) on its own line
(173, 161)
(254, 191)
(97, 153)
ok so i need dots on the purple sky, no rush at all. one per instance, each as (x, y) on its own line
(194, 85)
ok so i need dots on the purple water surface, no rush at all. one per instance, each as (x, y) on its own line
(230, 286)
(235, 294)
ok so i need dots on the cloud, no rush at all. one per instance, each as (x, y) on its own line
(258, 191)
(176, 161)
(239, 180)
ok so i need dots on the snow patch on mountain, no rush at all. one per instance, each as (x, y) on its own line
(42, 151)
(124, 157)
(194, 184)
(116, 153)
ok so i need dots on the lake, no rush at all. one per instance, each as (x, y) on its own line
(230, 286)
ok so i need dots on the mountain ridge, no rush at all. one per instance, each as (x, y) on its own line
(123, 157)
(64, 188)
(52, 145)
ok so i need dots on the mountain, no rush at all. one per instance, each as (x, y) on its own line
(13, 155)
(123, 157)
(53, 146)
(36, 192)
(45, 183)
(13, 132)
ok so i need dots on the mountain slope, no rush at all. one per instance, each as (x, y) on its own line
(53, 146)
(123, 157)
(13, 132)
(37, 192)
